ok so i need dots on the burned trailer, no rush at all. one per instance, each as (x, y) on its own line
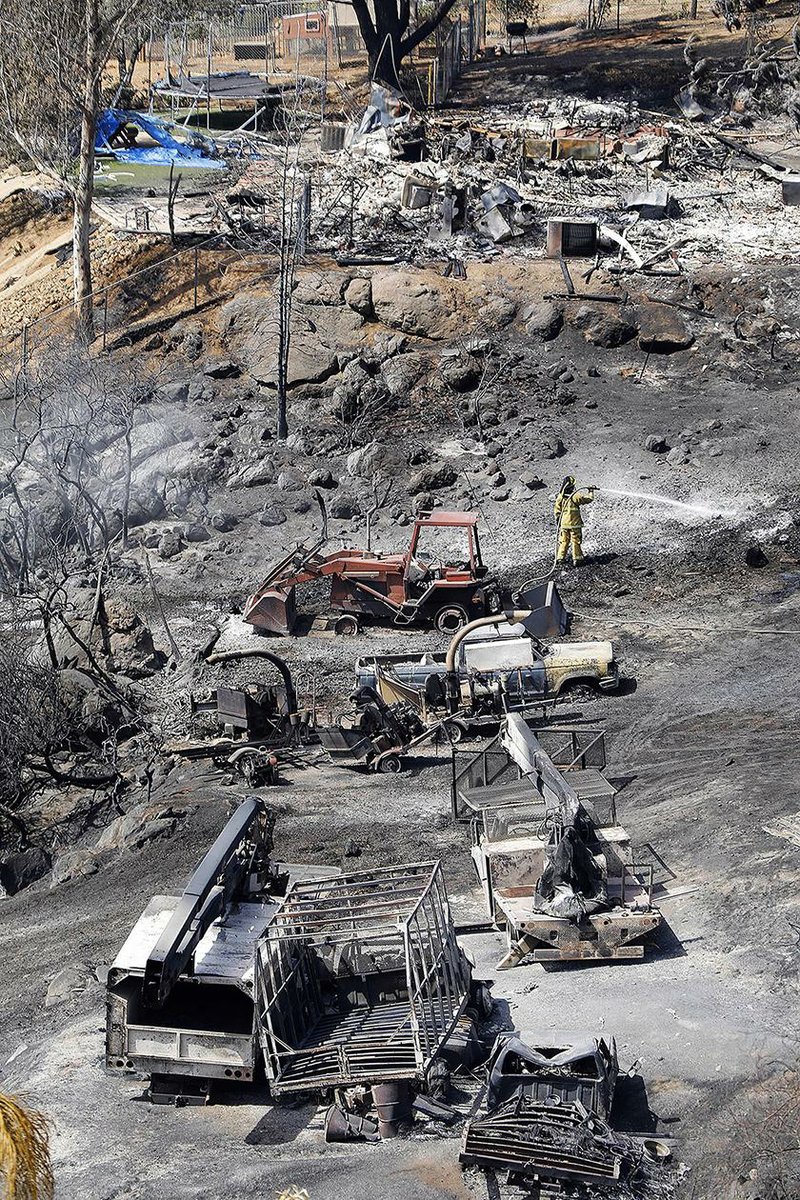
(359, 980)
(556, 868)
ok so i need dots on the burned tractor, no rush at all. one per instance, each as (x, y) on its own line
(412, 588)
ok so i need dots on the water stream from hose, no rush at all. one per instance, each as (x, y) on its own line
(703, 509)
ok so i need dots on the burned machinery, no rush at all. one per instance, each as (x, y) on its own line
(180, 992)
(411, 588)
(497, 669)
(556, 868)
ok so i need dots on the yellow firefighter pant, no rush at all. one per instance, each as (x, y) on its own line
(570, 540)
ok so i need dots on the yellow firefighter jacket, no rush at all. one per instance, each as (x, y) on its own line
(568, 511)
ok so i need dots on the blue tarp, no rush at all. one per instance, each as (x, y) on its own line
(168, 149)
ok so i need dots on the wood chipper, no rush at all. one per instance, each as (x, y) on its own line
(412, 588)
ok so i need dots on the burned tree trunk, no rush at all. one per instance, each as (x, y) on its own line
(84, 188)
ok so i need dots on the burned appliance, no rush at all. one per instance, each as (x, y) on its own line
(180, 992)
(567, 238)
(359, 980)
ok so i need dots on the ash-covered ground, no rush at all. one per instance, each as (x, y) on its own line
(678, 398)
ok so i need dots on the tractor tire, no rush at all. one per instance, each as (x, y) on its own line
(390, 764)
(451, 618)
(347, 625)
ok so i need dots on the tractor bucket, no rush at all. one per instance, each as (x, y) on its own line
(548, 615)
(272, 610)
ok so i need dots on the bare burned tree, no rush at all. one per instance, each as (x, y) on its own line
(67, 450)
(285, 238)
(53, 54)
(30, 720)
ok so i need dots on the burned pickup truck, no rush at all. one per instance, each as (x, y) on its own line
(547, 1121)
(499, 669)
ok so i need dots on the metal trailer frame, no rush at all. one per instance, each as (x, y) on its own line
(493, 777)
(535, 1140)
(359, 979)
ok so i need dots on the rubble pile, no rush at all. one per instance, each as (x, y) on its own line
(673, 191)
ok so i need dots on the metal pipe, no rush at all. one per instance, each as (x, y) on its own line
(513, 617)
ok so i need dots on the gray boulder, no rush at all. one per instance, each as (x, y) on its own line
(223, 522)
(223, 368)
(602, 327)
(273, 514)
(323, 478)
(656, 444)
(433, 477)
(197, 533)
(544, 321)
(69, 983)
(321, 287)
(144, 823)
(20, 870)
(358, 294)
(255, 475)
(662, 330)
(342, 508)
(413, 304)
(169, 544)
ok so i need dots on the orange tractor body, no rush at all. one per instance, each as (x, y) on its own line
(404, 589)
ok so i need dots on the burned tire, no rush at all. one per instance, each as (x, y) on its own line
(390, 764)
(451, 618)
(347, 626)
(455, 731)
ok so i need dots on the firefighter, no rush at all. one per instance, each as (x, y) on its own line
(570, 521)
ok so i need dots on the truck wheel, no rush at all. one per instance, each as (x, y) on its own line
(450, 619)
(389, 764)
(347, 626)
